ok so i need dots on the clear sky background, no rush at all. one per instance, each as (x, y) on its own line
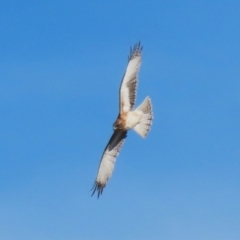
(61, 63)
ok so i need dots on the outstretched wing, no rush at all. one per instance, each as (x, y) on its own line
(128, 86)
(108, 160)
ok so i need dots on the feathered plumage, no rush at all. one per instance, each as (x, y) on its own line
(139, 119)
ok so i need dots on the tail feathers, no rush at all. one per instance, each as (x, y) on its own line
(145, 109)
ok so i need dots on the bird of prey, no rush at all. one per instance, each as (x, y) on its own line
(139, 119)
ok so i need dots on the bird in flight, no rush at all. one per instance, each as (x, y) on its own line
(139, 119)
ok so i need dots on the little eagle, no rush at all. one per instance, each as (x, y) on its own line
(139, 119)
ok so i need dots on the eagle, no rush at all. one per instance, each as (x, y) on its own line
(139, 119)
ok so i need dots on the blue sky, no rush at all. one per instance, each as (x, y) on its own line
(61, 64)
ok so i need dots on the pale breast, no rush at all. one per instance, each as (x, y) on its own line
(132, 119)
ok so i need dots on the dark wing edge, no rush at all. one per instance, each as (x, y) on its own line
(135, 51)
(99, 189)
(115, 143)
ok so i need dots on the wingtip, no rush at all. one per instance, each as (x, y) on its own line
(97, 187)
(135, 50)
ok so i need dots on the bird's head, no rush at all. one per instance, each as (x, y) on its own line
(116, 125)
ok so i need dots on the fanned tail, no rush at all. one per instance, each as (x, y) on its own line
(145, 109)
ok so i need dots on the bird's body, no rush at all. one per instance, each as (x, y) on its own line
(127, 120)
(139, 119)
